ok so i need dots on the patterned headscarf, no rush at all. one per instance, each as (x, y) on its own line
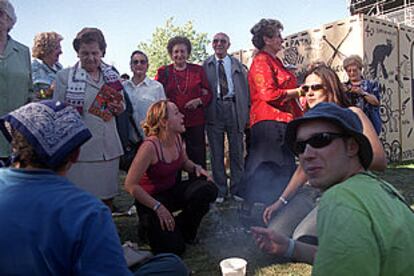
(53, 129)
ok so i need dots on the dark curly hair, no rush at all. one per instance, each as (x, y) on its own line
(178, 40)
(89, 35)
(265, 27)
(25, 155)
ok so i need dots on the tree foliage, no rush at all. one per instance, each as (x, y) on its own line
(156, 48)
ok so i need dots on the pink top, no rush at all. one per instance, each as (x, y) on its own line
(161, 176)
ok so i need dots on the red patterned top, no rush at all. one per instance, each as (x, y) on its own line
(182, 86)
(268, 81)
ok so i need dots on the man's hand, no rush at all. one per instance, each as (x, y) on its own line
(270, 241)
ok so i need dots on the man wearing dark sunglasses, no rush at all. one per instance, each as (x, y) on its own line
(227, 114)
(364, 225)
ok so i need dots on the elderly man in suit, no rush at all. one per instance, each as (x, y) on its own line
(227, 113)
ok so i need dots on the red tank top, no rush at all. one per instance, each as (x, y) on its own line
(162, 175)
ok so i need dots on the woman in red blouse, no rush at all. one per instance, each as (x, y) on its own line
(274, 102)
(186, 85)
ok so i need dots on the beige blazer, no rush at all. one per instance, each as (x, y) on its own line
(105, 143)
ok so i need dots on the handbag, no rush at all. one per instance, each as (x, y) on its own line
(130, 140)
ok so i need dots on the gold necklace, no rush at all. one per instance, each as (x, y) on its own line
(182, 91)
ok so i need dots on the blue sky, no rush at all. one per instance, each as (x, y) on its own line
(125, 23)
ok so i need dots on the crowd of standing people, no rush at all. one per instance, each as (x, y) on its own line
(66, 133)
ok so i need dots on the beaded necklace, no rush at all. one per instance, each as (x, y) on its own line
(182, 91)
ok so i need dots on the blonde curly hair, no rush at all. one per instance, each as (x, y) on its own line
(157, 113)
(45, 43)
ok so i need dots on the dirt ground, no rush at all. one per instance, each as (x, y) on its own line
(222, 235)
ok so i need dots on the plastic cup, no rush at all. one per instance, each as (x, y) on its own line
(233, 267)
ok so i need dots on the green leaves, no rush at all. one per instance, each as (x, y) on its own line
(156, 48)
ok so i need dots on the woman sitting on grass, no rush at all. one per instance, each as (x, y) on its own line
(151, 180)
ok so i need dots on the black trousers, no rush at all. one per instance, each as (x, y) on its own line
(193, 197)
(195, 141)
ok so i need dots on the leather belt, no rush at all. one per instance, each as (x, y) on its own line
(228, 99)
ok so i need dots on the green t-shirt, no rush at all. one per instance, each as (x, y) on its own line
(364, 228)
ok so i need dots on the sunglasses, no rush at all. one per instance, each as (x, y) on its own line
(317, 141)
(314, 87)
(136, 61)
(223, 41)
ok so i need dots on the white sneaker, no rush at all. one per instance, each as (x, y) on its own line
(220, 199)
(238, 198)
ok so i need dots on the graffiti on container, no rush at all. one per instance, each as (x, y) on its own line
(408, 154)
(387, 32)
(296, 42)
(393, 150)
(388, 115)
(369, 31)
(292, 56)
(336, 50)
(379, 54)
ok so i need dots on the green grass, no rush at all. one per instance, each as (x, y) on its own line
(221, 235)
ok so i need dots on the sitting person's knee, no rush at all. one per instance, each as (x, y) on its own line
(164, 264)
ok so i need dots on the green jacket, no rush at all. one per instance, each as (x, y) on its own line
(15, 82)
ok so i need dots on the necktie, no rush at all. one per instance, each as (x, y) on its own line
(224, 88)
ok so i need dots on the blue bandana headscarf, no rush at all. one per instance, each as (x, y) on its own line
(53, 129)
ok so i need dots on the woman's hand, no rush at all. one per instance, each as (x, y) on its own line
(167, 221)
(268, 212)
(116, 107)
(193, 104)
(356, 90)
(200, 171)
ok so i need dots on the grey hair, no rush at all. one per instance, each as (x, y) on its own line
(8, 8)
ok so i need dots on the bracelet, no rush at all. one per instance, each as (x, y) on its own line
(284, 200)
(195, 168)
(299, 92)
(156, 206)
(290, 249)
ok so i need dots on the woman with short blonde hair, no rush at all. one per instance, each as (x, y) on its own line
(46, 51)
(363, 93)
(152, 181)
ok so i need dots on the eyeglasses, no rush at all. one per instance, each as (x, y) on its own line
(317, 141)
(136, 61)
(314, 87)
(223, 41)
